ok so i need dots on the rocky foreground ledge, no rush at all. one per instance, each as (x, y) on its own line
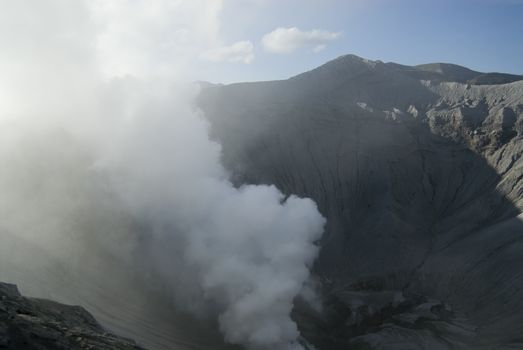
(28, 323)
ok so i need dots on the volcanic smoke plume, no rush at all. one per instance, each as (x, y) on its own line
(102, 150)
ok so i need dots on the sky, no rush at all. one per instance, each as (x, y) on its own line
(484, 35)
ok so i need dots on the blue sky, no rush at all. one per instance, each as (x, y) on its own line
(248, 40)
(485, 35)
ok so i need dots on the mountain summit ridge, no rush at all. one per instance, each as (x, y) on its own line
(429, 71)
(418, 173)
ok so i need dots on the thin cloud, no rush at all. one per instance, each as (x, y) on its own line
(287, 40)
(239, 52)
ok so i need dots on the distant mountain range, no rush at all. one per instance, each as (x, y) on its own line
(451, 72)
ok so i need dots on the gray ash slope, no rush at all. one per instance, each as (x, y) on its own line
(33, 324)
(418, 171)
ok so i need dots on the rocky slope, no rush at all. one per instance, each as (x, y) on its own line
(27, 323)
(418, 170)
(120, 301)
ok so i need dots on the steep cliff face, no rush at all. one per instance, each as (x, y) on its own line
(420, 181)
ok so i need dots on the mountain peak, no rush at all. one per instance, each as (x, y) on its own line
(355, 58)
(341, 68)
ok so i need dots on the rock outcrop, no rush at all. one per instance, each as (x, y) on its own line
(418, 171)
(38, 324)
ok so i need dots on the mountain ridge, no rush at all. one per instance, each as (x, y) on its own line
(417, 178)
(440, 71)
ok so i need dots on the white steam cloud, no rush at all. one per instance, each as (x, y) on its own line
(103, 152)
